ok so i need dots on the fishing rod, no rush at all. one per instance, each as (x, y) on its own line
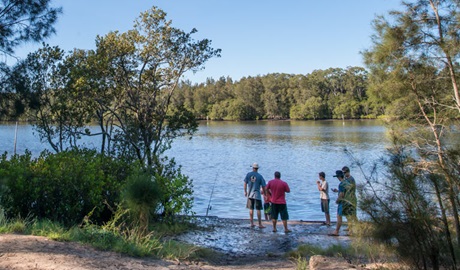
(210, 197)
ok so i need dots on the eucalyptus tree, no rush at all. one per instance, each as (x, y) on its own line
(145, 65)
(58, 114)
(413, 66)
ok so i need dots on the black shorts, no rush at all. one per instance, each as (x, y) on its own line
(280, 209)
(253, 202)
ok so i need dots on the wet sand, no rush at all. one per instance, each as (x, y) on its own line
(236, 239)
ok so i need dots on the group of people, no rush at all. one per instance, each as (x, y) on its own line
(346, 198)
(274, 195)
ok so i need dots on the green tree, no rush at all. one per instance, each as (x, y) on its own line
(58, 112)
(250, 105)
(145, 65)
(25, 20)
(412, 62)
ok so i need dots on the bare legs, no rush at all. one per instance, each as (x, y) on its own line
(286, 230)
(251, 217)
(259, 218)
(328, 218)
(339, 224)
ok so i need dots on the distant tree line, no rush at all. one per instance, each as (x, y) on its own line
(322, 94)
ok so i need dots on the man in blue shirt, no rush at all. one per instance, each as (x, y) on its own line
(253, 182)
(340, 201)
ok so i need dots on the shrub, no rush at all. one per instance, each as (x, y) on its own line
(142, 195)
(176, 189)
(62, 187)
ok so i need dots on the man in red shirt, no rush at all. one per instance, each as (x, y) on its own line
(278, 189)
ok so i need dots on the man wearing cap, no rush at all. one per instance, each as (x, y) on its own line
(339, 201)
(253, 182)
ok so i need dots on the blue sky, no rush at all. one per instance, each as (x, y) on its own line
(257, 37)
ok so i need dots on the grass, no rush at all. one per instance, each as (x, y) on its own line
(129, 242)
(362, 251)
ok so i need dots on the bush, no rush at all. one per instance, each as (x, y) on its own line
(176, 188)
(142, 195)
(62, 187)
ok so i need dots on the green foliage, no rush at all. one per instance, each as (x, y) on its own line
(25, 21)
(404, 215)
(177, 189)
(280, 96)
(142, 195)
(64, 187)
(301, 263)
(414, 79)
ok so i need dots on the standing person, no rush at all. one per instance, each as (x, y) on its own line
(256, 183)
(339, 201)
(267, 205)
(278, 189)
(350, 204)
(323, 188)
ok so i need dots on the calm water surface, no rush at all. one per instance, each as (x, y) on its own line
(220, 154)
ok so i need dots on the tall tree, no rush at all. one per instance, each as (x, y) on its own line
(25, 20)
(145, 64)
(413, 62)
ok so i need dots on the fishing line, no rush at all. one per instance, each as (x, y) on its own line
(210, 197)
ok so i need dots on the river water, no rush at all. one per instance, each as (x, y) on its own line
(220, 154)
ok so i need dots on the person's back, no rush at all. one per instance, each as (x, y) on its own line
(255, 182)
(278, 189)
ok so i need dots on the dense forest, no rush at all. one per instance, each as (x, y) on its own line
(322, 94)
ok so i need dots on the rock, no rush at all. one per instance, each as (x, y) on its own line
(329, 263)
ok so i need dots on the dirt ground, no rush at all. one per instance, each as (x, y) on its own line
(243, 248)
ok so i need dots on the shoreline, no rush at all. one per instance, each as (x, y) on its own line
(236, 238)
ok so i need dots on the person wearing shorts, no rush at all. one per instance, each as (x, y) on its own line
(278, 189)
(255, 182)
(323, 188)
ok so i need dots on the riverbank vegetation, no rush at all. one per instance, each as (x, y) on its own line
(130, 87)
(411, 198)
(121, 189)
(112, 238)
